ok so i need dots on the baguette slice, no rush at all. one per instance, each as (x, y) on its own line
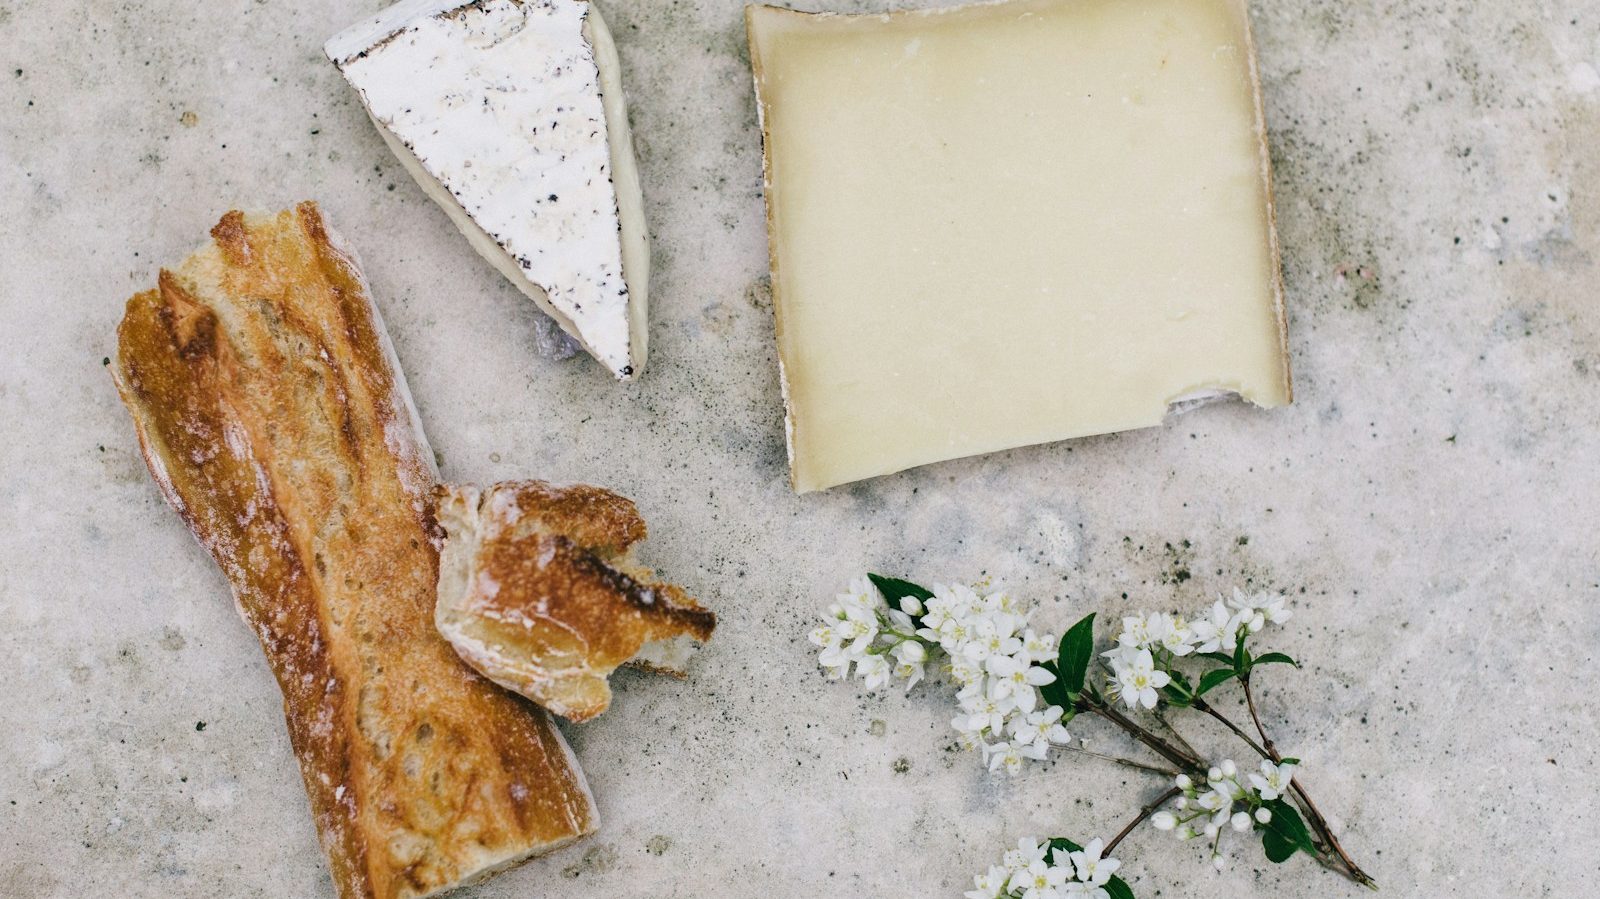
(538, 590)
(276, 422)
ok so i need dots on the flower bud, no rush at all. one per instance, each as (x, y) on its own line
(1229, 769)
(1214, 774)
(1240, 821)
(1218, 862)
(1163, 821)
(1264, 815)
(1184, 782)
(910, 605)
(1212, 829)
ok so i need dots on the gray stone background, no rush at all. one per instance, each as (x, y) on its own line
(1431, 500)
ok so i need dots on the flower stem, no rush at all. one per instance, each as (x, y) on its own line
(1313, 814)
(1203, 706)
(1185, 761)
(1146, 812)
(1183, 743)
(1125, 762)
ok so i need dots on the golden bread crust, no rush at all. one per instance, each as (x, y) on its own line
(272, 417)
(539, 593)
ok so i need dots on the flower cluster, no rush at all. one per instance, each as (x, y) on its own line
(1142, 659)
(989, 653)
(1225, 800)
(1049, 870)
(994, 660)
(861, 629)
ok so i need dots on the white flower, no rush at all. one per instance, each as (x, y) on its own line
(836, 659)
(823, 636)
(1273, 781)
(1090, 867)
(1135, 632)
(1002, 602)
(1138, 681)
(1212, 801)
(901, 622)
(909, 656)
(1272, 606)
(875, 668)
(992, 636)
(989, 884)
(965, 672)
(1038, 881)
(1217, 632)
(1027, 852)
(1079, 890)
(1006, 754)
(1170, 633)
(1039, 647)
(1041, 727)
(1014, 677)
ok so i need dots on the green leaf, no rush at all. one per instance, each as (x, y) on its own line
(1064, 844)
(894, 589)
(1180, 680)
(1272, 658)
(1180, 692)
(1288, 828)
(1176, 698)
(1241, 655)
(1117, 888)
(1277, 846)
(1054, 693)
(1214, 679)
(1076, 648)
(1222, 657)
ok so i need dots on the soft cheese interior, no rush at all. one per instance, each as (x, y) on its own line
(1012, 223)
(510, 115)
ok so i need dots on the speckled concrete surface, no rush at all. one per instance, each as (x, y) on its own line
(1432, 500)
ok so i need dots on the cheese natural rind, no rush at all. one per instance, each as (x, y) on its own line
(510, 115)
(1012, 223)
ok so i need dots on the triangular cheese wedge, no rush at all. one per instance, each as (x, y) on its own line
(510, 115)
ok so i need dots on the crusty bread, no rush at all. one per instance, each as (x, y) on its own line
(539, 592)
(275, 421)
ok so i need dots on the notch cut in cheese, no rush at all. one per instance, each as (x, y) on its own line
(510, 115)
(1012, 223)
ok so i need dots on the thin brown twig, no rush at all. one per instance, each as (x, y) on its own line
(1126, 762)
(1313, 814)
(1146, 812)
(1187, 747)
(1227, 722)
(1157, 745)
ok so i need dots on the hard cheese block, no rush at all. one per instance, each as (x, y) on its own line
(1012, 223)
(510, 115)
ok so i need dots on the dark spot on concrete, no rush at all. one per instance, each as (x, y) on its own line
(597, 860)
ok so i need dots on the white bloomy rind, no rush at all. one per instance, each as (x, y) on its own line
(510, 115)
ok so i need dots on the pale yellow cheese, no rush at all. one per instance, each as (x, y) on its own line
(1012, 223)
